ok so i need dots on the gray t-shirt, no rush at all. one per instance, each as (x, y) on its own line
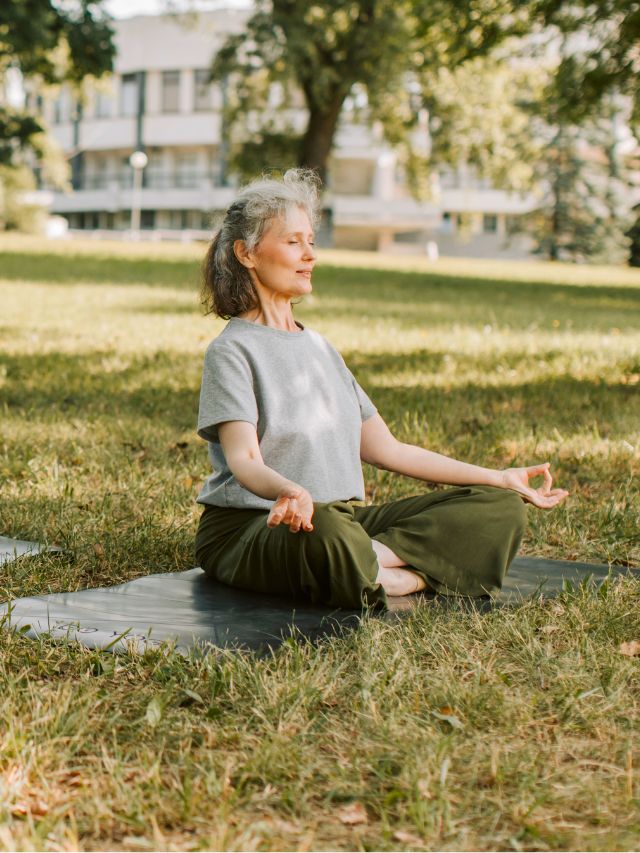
(306, 406)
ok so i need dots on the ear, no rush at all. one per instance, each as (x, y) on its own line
(243, 256)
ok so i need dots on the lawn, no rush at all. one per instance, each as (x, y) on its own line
(452, 731)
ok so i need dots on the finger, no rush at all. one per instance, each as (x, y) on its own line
(549, 501)
(280, 506)
(290, 515)
(307, 526)
(537, 470)
(274, 519)
(295, 523)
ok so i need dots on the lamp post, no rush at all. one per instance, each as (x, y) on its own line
(137, 161)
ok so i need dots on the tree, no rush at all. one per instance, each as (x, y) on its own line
(480, 118)
(634, 236)
(52, 42)
(604, 55)
(319, 53)
(584, 214)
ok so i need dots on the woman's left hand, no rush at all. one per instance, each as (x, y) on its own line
(545, 497)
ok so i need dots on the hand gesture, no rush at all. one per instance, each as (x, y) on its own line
(544, 496)
(294, 507)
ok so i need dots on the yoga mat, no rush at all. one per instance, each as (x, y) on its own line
(12, 549)
(189, 609)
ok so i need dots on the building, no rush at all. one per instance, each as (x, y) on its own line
(160, 100)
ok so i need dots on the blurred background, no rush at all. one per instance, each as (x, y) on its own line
(478, 128)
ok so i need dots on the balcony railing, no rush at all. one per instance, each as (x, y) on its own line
(177, 180)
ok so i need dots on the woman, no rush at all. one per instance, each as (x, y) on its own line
(288, 425)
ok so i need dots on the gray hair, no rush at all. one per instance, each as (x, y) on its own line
(227, 289)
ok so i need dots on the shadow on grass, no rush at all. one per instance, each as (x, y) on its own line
(80, 386)
(417, 300)
(164, 389)
(410, 297)
(430, 301)
(99, 269)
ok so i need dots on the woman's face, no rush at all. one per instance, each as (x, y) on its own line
(284, 258)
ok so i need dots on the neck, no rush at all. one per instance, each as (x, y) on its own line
(276, 313)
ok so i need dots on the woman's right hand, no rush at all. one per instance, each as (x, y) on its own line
(294, 507)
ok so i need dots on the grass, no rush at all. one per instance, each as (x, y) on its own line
(513, 730)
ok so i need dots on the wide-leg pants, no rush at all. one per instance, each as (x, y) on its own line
(461, 541)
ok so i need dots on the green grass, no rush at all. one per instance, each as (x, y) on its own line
(496, 363)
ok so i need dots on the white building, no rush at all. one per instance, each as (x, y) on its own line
(159, 100)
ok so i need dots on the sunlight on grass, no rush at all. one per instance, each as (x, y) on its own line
(499, 363)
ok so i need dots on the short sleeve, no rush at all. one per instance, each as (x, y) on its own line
(367, 409)
(227, 392)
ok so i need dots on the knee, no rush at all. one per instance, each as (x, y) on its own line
(502, 505)
(513, 510)
(331, 525)
(337, 539)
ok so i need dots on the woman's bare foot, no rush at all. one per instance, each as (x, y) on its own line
(394, 575)
(397, 581)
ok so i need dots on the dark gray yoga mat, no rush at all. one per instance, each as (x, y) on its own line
(188, 609)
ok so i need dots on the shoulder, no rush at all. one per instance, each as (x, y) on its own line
(228, 343)
(320, 342)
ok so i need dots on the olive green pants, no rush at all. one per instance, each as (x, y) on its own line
(461, 541)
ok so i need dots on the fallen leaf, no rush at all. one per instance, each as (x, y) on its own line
(154, 712)
(35, 808)
(190, 696)
(630, 649)
(187, 482)
(353, 814)
(70, 778)
(447, 715)
(279, 825)
(98, 550)
(408, 838)
(424, 789)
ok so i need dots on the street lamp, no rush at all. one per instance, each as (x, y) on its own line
(137, 161)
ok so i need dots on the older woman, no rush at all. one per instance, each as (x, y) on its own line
(287, 427)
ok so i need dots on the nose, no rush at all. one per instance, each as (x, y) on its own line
(309, 251)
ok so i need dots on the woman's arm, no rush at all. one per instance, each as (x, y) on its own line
(380, 448)
(293, 505)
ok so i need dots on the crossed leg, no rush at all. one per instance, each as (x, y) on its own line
(394, 578)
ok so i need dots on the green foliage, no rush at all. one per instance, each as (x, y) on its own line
(603, 56)
(275, 151)
(52, 43)
(31, 31)
(320, 52)
(15, 214)
(479, 118)
(584, 214)
(634, 237)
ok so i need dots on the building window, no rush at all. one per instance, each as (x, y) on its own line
(449, 223)
(129, 95)
(203, 94)
(147, 219)
(100, 174)
(186, 171)
(58, 110)
(170, 91)
(490, 223)
(154, 175)
(102, 105)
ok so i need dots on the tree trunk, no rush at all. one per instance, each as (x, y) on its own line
(317, 141)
